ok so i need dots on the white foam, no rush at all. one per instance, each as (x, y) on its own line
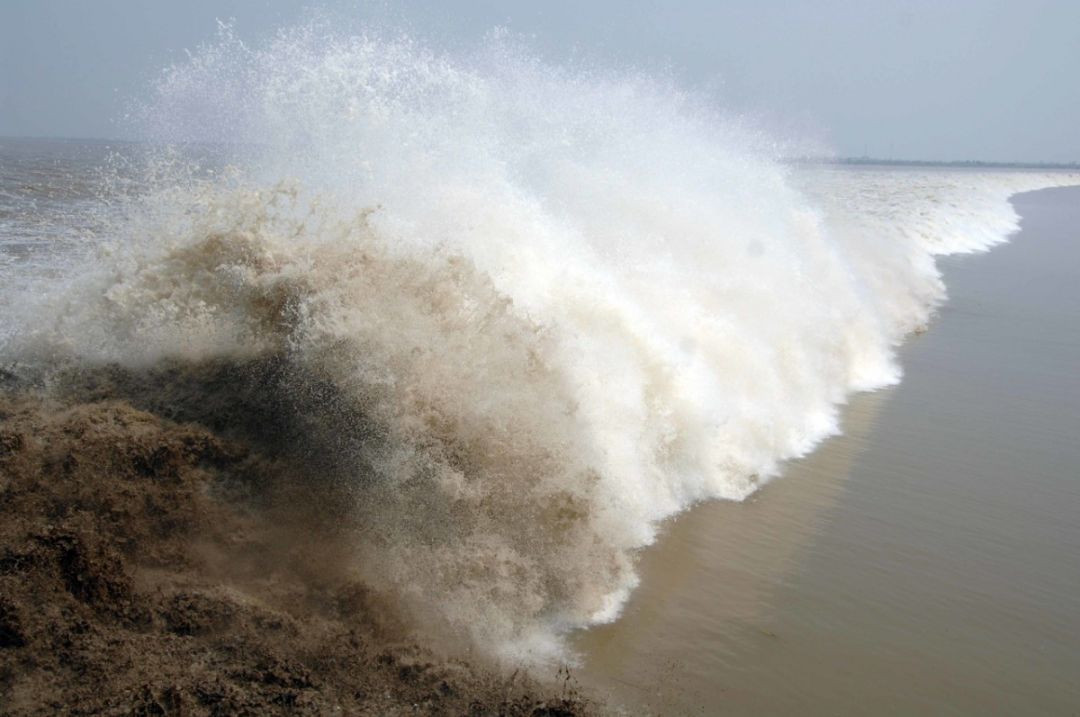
(580, 302)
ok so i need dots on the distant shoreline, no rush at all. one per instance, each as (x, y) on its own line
(845, 161)
(954, 164)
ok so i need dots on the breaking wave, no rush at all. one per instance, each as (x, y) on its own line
(520, 313)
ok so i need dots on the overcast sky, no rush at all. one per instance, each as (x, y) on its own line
(941, 79)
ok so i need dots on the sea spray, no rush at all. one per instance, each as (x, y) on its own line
(518, 314)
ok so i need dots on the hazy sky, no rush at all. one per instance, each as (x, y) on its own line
(933, 79)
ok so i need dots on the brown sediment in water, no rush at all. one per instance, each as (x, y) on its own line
(156, 567)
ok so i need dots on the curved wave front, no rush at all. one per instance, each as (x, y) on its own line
(516, 314)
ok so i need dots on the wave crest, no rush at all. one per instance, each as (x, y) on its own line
(515, 314)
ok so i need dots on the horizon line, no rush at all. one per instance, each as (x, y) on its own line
(809, 159)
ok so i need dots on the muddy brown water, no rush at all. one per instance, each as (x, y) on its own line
(927, 561)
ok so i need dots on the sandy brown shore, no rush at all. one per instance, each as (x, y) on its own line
(154, 567)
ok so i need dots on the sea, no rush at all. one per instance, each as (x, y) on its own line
(614, 382)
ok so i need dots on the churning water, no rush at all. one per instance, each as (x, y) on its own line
(525, 312)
